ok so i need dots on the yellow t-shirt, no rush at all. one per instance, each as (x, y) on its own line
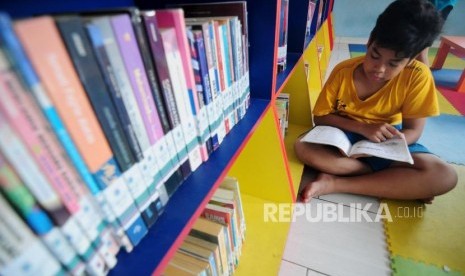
(411, 94)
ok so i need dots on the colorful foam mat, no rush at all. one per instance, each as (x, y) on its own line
(404, 266)
(430, 239)
(431, 234)
(444, 136)
(453, 99)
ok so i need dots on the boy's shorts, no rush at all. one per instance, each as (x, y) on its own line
(377, 163)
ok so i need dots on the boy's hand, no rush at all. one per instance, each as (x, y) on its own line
(379, 132)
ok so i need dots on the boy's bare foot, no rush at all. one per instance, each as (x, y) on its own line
(322, 185)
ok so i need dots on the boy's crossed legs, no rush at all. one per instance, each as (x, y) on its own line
(429, 176)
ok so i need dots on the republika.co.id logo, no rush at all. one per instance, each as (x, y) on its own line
(325, 212)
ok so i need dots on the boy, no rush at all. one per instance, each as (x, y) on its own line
(383, 94)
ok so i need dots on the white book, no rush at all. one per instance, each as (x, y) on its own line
(395, 148)
(188, 121)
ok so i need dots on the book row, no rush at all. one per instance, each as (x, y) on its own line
(214, 244)
(102, 116)
(315, 16)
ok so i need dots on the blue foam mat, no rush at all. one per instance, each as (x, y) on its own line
(447, 77)
(445, 136)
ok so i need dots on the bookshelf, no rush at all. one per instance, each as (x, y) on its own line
(305, 82)
(254, 151)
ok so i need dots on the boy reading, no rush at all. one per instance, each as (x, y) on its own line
(383, 94)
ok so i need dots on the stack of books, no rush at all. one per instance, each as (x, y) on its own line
(214, 244)
(103, 115)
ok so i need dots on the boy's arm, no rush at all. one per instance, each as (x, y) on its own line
(412, 129)
(373, 132)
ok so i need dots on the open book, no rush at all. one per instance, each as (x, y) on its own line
(395, 148)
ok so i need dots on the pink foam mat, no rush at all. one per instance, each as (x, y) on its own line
(457, 99)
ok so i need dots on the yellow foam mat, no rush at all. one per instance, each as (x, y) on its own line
(433, 234)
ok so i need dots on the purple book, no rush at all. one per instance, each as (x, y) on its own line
(161, 66)
(130, 53)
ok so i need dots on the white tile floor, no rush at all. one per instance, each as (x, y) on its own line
(316, 246)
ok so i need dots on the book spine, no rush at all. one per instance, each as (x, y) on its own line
(82, 55)
(188, 124)
(140, 190)
(20, 198)
(149, 164)
(225, 53)
(204, 82)
(20, 63)
(308, 34)
(213, 73)
(219, 240)
(232, 184)
(167, 90)
(114, 89)
(282, 44)
(230, 33)
(25, 117)
(132, 59)
(85, 64)
(202, 119)
(174, 69)
(140, 32)
(22, 115)
(243, 70)
(27, 255)
(236, 51)
(220, 64)
(131, 56)
(40, 35)
(198, 253)
(222, 217)
(175, 19)
(206, 57)
(174, 166)
(17, 155)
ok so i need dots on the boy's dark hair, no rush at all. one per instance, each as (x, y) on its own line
(407, 27)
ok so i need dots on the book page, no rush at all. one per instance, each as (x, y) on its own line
(394, 149)
(328, 135)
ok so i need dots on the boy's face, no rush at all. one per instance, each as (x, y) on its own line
(382, 64)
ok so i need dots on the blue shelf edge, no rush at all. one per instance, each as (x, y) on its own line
(147, 256)
(292, 59)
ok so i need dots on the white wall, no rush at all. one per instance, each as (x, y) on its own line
(356, 18)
